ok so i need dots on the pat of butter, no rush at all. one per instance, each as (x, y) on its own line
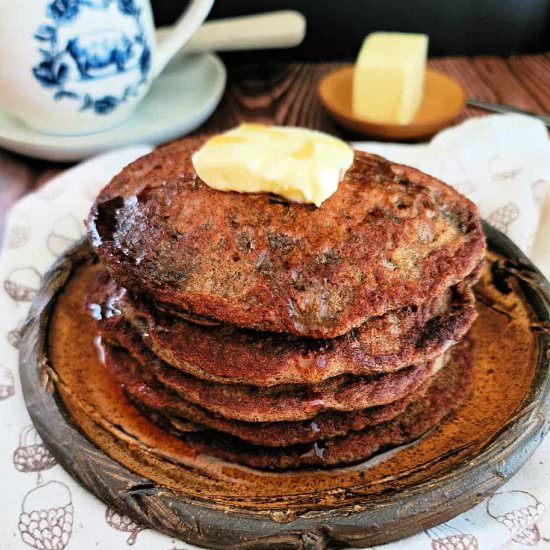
(296, 163)
(388, 82)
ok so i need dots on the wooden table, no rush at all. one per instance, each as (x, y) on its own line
(286, 94)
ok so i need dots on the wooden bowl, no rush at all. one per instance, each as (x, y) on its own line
(142, 471)
(443, 101)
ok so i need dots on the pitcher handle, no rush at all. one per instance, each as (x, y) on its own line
(185, 26)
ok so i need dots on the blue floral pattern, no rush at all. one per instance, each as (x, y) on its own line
(85, 54)
(128, 7)
(63, 11)
(105, 104)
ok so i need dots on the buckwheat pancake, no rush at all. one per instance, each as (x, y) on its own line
(449, 389)
(147, 394)
(388, 238)
(228, 354)
(277, 403)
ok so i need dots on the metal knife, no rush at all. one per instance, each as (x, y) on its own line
(499, 108)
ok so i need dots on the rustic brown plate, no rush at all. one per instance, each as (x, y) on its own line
(133, 466)
(443, 101)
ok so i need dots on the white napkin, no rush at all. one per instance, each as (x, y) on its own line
(501, 162)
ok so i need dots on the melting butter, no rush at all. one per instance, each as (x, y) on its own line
(298, 164)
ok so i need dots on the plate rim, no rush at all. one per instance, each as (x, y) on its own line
(427, 504)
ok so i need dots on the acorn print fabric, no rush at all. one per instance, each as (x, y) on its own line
(500, 162)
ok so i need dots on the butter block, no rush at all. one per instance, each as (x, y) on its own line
(298, 164)
(388, 81)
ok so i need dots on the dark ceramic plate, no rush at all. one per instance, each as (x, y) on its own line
(221, 505)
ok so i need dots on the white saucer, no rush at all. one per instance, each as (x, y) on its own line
(182, 98)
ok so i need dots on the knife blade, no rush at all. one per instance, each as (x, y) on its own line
(500, 108)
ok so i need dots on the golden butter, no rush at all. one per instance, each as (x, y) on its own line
(298, 164)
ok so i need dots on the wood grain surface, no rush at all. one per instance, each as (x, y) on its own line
(286, 94)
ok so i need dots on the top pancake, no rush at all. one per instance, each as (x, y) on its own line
(390, 237)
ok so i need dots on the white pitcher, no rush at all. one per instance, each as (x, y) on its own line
(81, 66)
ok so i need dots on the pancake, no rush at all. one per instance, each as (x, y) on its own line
(228, 354)
(148, 395)
(449, 389)
(276, 403)
(389, 237)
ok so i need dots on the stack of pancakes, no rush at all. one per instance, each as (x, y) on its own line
(280, 335)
